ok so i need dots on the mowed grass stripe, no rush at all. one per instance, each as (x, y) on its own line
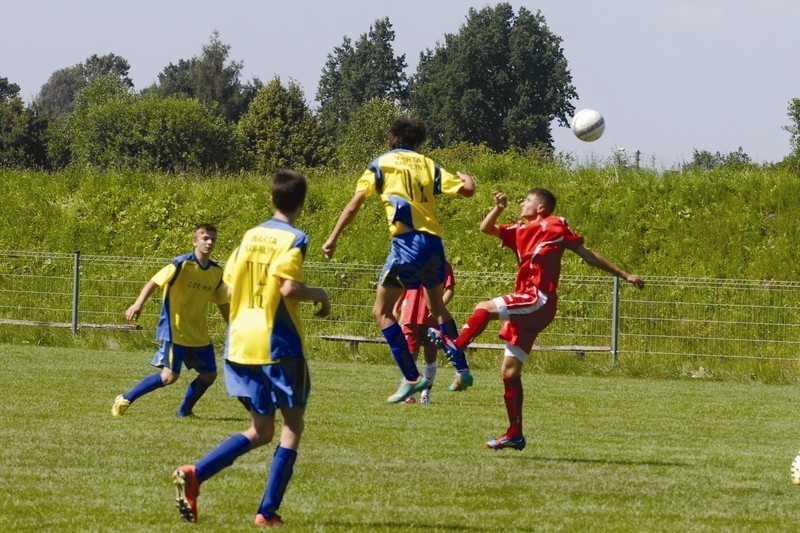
(604, 453)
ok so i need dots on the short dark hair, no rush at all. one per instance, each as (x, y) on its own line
(288, 190)
(548, 198)
(208, 228)
(407, 132)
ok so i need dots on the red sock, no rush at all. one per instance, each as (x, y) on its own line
(513, 399)
(474, 327)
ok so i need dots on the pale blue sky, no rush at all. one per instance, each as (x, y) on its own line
(669, 77)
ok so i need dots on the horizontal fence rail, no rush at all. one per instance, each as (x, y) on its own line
(698, 317)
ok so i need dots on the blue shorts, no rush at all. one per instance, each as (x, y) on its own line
(416, 258)
(267, 388)
(174, 356)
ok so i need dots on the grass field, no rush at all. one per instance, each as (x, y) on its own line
(603, 453)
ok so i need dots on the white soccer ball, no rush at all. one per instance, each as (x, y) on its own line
(588, 125)
(796, 470)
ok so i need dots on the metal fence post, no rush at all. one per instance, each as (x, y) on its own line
(615, 322)
(76, 278)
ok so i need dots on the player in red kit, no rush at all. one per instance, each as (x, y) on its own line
(539, 241)
(415, 319)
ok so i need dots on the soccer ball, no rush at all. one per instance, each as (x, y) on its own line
(588, 125)
(796, 470)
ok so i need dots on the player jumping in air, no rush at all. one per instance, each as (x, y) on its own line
(539, 241)
(265, 365)
(188, 284)
(408, 183)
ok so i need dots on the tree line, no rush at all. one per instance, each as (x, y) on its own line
(499, 82)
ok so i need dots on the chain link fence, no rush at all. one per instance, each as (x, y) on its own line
(698, 317)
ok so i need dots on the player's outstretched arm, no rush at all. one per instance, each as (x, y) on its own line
(135, 310)
(598, 261)
(489, 223)
(469, 184)
(301, 291)
(348, 215)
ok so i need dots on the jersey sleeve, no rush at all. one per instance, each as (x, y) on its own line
(449, 184)
(228, 272)
(571, 239)
(508, 235)
(366, 183)
(164, 275)
(289, 265)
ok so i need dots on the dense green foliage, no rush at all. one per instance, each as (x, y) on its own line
(365, 135)
(280, 130)
(22, 130)
(723, 223)
(355, 74)
(603, 454)
(501, 80)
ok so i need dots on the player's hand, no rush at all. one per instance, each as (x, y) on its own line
(325, 307)
(500, 199)
(635, 281)
(329, 248)
(133, 312)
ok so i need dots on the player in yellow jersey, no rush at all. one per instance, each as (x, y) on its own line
(188, 284)
(265, 365)
(408, 183)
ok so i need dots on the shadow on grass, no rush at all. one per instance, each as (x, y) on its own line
(405, 526)
(545, 459)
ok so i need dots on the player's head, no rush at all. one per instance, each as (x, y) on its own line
(407, 132)
(538, 203)
(204, 236)
(288, 190)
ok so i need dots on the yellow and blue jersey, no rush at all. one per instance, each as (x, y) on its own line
(408, 183)
(264, 326)
(187, 289)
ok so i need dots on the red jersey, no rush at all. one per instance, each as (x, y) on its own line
(539, 246)
(415, 310)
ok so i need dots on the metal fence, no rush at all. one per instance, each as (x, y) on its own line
(672, 316)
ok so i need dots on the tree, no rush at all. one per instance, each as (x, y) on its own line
(705, 160)
(57, 94)
(22, 130)
(365, 135)
(794, 128)
(211, 78)
(354, 75)
(280, 130)
(500, 81)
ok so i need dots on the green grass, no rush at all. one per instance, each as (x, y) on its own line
(604, 453)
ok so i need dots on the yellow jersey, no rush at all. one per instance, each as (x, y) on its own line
(264, 326)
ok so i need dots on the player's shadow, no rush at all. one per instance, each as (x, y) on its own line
(584, 460)
(404, 526)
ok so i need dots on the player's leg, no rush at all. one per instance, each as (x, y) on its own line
(476, 324)
(412, 339)
(431, 365)
(204, 361)
(246, 381)
(511, 369)
(292, 375)
(444, 335)
(169, 358)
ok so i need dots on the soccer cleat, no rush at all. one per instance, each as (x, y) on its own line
(444, 342)
(425, 397)
(505, 441)
(462, 381)
(187, 490)
(186, 416)
(263, 521)
(410, 400)
(120, 406)
(408, 388)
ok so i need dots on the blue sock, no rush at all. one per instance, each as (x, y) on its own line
(399, 346)
(449, 328)
(148, 384)
(222, 456)
(194, 392)
(280, 472)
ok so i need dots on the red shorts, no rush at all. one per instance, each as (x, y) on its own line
(525, 316)
(417, 335)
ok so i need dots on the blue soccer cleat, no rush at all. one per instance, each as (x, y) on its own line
(517, 443)
(444, 342)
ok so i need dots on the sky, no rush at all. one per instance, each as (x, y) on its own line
(669, 77)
